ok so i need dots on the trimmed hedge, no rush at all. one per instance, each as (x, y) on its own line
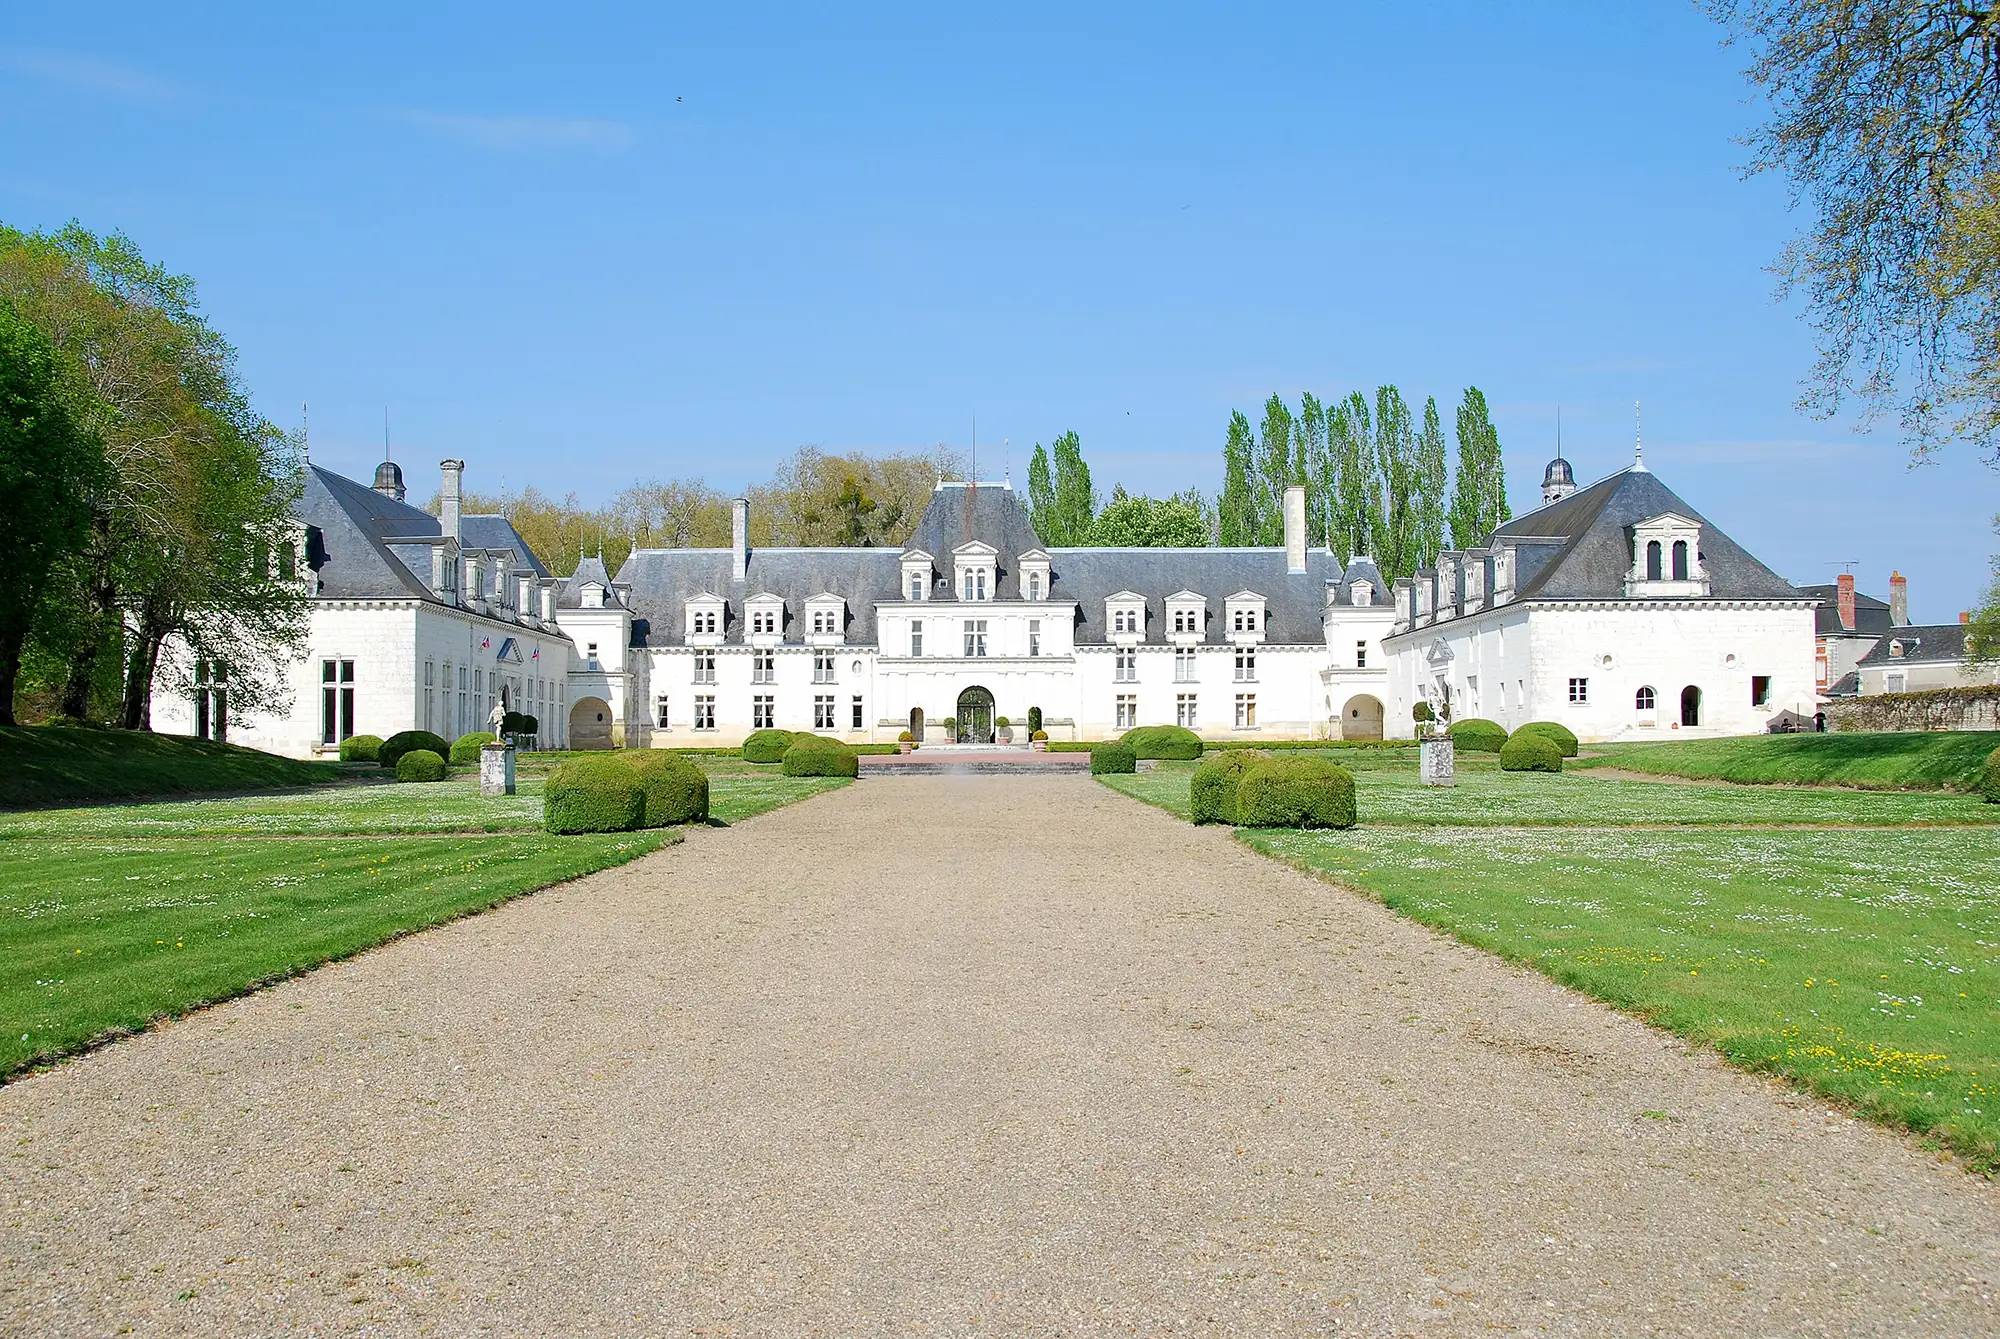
(1162, 741)
(676, 790)
(767, 745)
(420, 765)
(361, 748)
(1277, 745)
(815, 755)
(1561, 735)
(1477, 735)
(409, 741)
(602, 794)
(1212, 789)
(465, 749)
(1111, 759)
(1989, 784)
(1525, 752)
(1295, 793)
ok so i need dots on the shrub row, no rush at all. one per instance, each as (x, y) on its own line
(616, 792)
(1112, 759)
(1477, 735)
(1261, 791)
(1162, 741)
(391, 750)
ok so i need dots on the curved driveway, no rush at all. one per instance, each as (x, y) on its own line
(956, 1056)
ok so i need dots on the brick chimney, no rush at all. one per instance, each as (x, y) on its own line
(1899, 600)
(1964, 617)
(1846, 601)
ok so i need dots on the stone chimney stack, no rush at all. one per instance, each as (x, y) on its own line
(1846, 601)
(450, 495)
(739, 536)
(1295, 529)
(1964, 617)
(1899, 600)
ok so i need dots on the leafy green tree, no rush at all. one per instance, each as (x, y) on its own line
(1479, 493)
(1041, 494)
(1316, 467)
(1982, 639)
(1237, 508)
(1277, 470)
(1432, 481)
(1076, 500)
(50, 468)
(1145, 522)
(1354, 494)
(1395, 526)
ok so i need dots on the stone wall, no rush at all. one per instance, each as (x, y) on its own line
(1971, 708)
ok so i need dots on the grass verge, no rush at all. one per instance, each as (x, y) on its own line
(1908, 760)
(46, 765)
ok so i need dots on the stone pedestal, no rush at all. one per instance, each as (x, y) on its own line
(496, 769)
(1434, 768)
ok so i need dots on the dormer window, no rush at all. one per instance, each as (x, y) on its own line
(1247, 616)
(1036, 580)
(917, 575)
(591, 596)
(1125, 616)
(1187, 615)
(972, 583)
(976, 570)
(764, 616)
(704, 619)
(1034, 585)
(1666, 558)
(1125, 620)
(1361, 594)
(826, 616)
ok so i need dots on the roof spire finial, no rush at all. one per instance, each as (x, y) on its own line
(1638, 442)
(387, 454)
(306, 431)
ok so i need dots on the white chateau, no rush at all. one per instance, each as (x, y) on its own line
(1615, 609)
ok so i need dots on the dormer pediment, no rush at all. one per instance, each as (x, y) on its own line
(1125, 597)
(918, 558)
(1186, 596)
(1035, 556)
(975, 549)
(1246, 596)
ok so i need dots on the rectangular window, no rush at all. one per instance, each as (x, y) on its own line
(1760, 690)
(824, 620)
(1034, 585)
(1246, 711)
(336, 710)
(823, 712)
(1579, 692)
(1184, 711)
(975, 637)
(916, 585)
(763, 667)
(975, 583)
(704, 620)
(427, 709)
(704, 667)
(1361, 655)
(660, 712)
(916, 637)
(704, 712)
(857, 713)
(1126, 667)
(479, 676)
(1128, 712)
(1184, 664)
(823, 667)
(1034, 636)
(1895, 681)
(764, 620)
(763, 712)
(1246, 667)
(1243, 620)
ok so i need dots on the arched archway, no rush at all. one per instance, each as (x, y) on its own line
(1691, 705)
(975, 716)
(917, 724)
(1361, 717)
(590, 724)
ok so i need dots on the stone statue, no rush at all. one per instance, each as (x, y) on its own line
(496, 719)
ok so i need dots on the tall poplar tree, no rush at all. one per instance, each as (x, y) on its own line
(1479, 495)
(1236, 519)
(1395, 528)
(1276, 471)
(1075, 499)
(1041, 494)
(1432, 480)
(1315, 467)
(1352, 490)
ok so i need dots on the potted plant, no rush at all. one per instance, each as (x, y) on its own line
(950, 724)
(1006, 728)
(1039, 740)
(905, 742)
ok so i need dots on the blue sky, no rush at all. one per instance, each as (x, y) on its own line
(579, 245)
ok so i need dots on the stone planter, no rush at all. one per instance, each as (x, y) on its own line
(904, 746)
(1041, 745)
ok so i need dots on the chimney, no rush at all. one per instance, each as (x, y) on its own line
(1964, 617)
(1899, 600)
(449, 495)
(1846, 601)
(1295, 529)
(739, 536)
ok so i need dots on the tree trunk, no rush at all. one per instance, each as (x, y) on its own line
(11, 643)
(139, 668)
(101, 599)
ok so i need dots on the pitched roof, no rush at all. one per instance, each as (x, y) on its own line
(1590, 549)
(497, 532)
(1919, 642)
(359, 527)
(659, 583)
(1871, 616)
(589, 571)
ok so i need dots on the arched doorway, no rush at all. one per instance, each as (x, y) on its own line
(917, 724)
(1361, 718)
(590, 724)
(975, 716)
(1690, 705)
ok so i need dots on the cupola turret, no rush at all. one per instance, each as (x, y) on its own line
(1557, 481)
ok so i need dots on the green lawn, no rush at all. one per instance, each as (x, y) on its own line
(1916, 760)
(42, 765)
(107, 935)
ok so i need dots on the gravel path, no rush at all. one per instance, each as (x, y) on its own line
(956, 1056)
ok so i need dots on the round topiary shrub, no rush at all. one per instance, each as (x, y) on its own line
(905, 737)
(1041, 735)
(813, 755)
(1989, 784)
(1111, 759)
(1560, 735)
(1422, 712)
(767, 745)
(1530, 753)
(1162, 741)
(409, 741)
(465, 749)
(361, 748)
(1212, 790)
(1295, 792)
(1475, 735)
(601, 794)
(676, 790)
(420, 765)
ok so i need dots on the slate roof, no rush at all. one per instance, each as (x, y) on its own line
(1847, 685)
(1921, 642)
(1589, 548)
(358, 527)
(1871, 616)
(661, 581)
(590, 569)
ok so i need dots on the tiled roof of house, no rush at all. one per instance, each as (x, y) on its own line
(1871, 616)
(1935, 642)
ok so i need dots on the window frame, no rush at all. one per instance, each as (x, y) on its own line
(1579, 690)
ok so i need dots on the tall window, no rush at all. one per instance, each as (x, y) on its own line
(1653, 560)
(430, 677)
(1760, 690)
(1034, 636)
(763, 712)
(1125, 620)
(1034, 585)
(704, 620)
(1184, 664)
(823, 712)
(1246, 666)
(824, 620)
(1243, 620)
(589, 658)
(823, 667)
(916, 585)
(973, 580)
(764, 620)
(1128, 711)
(1184, 712)
(975, 636)
(336, 706)
(1680, 560)
(1246, 711)
(704, 712)
(211, 700)
(660, 711)
(704, 667)
(916, 637)
(1579, 691)
(857, 712)
(1187, 619)
(763, 667)
(1126, 668)
(1361, 655)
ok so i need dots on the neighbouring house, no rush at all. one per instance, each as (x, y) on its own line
(1847, 625)
(1615, 609)
(1917, 658)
